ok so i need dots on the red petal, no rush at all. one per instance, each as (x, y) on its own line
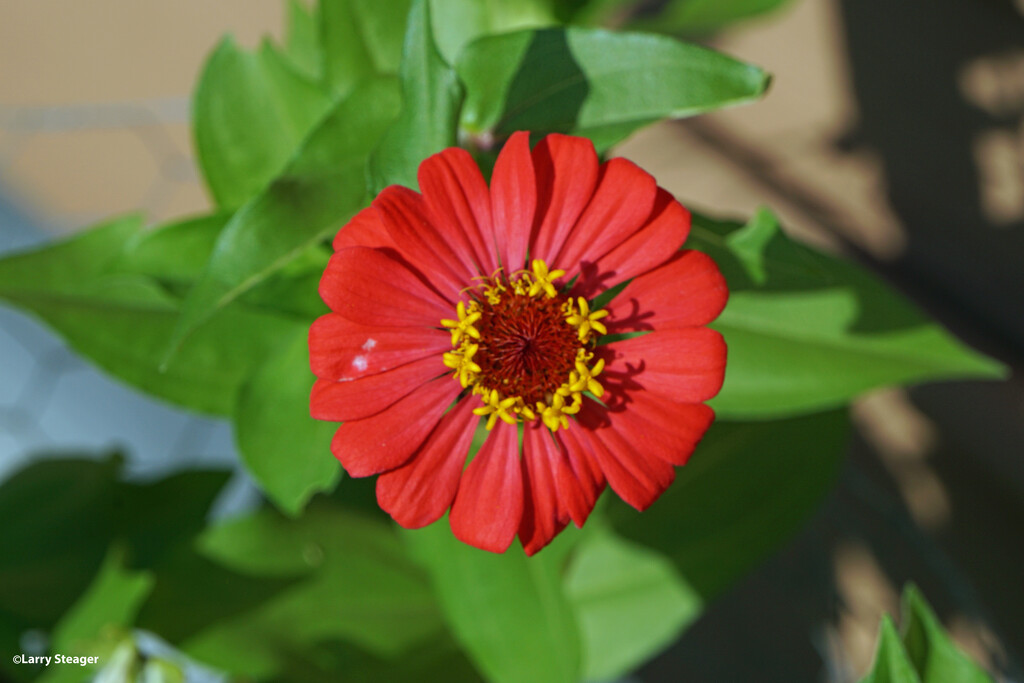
(581, 483)
(566, 169)
(364, 230)
(460, 205)
(418, 493)
(386, 440)
(639, 478)
(661, 428)
(407, 219)
(543, 514)
(656, 242)
(361, 398)
(685, 365)
(621, 204)
(370, 287)
(689, 291)
(489, 504)
(513, 201)
(340, 349)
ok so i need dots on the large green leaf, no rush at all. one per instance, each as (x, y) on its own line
(704, 16)
(250, 112)
(431, 95)
(807, 331)
(360, 39)
(173, 253)
(302, 40)
(458, 22)
(354, 584)
(122, 320)
(746, 489)
(323, 186)
(286, 450)
(596, 83)
(930, 649)
(509, 612)
(176, 254)
(629, 601)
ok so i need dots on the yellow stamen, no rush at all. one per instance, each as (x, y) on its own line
(543, 279)
(558, 405)
(496, 407)
(464, 325)
(585, 320)
(461, 361)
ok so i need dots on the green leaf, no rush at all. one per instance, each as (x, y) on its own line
(174, 253)
(360, 39)
(459, 22)
(111, 601)
(161, 671)
(122, 320)
(155, 518)
(302, 41)
(322, 187)
(746, 489)
(431, 95)
(595, 83)
(509, 612)
(356, 585)
(930, 649)
(704, 16)
(629, 601)
(61, 515)
(250, 112)
(807, 331)
(285, 450)
(437, 659)
(57, 527)
(891, 663)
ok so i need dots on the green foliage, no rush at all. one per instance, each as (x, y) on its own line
(286, 450)
(924, 654)
(807, 331)
(122, 319)
(431, 95)
(689, 17)
(629, 602)
(509, 612)
(351, 582)
(302, 41)
(460, 22)
(360, 39)
(99, 619)
(56, 549)
(83, 546)
(748, 487)
(250, 112)
(595, 83)
(321, 188)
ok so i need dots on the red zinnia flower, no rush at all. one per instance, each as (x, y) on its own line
(466, 304)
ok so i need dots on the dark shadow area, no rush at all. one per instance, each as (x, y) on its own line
(934, 91)
(910, 66)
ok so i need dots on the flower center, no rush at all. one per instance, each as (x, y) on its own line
(525, 348)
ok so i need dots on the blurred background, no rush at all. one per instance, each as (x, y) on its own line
(893, 133)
